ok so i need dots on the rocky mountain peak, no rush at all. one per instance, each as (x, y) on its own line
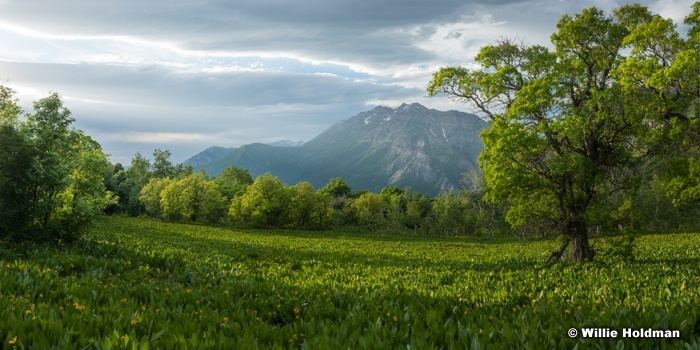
(410, 145)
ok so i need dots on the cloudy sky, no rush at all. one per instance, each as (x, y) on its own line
(185, 75)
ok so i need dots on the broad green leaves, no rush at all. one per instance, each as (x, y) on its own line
(137, 282)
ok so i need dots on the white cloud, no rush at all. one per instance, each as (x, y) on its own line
(676, 10)
(157, 137)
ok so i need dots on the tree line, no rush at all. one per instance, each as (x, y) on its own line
(176, 193)
(599, 134)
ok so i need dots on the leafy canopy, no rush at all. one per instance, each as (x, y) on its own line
(570, 126)
(51, 174)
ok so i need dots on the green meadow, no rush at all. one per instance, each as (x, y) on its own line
(136, 283)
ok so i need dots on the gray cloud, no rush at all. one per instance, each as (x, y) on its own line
(159, 86)
(166, 109)
(185, 75)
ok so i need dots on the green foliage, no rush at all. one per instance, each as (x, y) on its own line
(302, 204)
(323, 210)
(683, 180)
(134, 179)
(265, 203)
(337, 188)
(338, 191)
(393, 210)
(449, 214)
(129, 183)
(140, 283)
(85, 196)
(370, 210)
(193, 198)
(16, 155)
(572, 126)
(233, 181)
(663, 69)
(190, 198)
(418, 209)
(151, 195)
(162, 167)
(51, 174)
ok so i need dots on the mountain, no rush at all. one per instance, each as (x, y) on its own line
(410, 146)
(208, 156)
(286, 143)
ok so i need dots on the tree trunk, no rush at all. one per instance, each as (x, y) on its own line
(578, 231)
(556, 255)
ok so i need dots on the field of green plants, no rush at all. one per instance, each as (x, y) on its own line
(140, 283)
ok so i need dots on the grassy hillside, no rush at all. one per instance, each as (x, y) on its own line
(139, 283)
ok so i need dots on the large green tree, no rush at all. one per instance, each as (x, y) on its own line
(51, 174)
(567, 126)
(663, 68)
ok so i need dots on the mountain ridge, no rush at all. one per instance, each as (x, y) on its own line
(409, 146)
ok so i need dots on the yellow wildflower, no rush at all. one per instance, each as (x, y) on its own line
(13, 341)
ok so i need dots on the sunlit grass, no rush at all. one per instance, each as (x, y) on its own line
(138, 282)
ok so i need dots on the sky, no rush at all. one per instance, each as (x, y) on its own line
(185, 75)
